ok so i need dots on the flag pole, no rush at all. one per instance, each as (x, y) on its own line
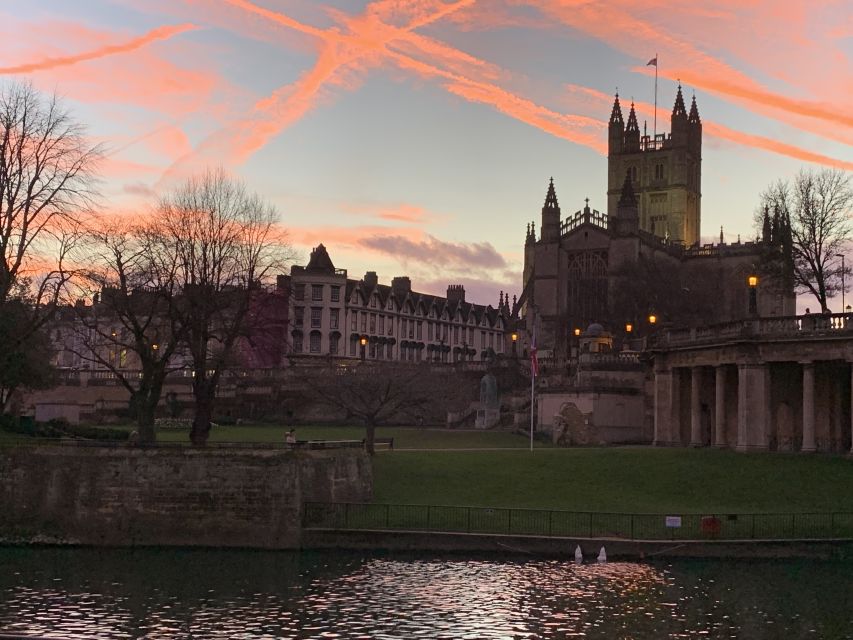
(532, 384)
(656, 97)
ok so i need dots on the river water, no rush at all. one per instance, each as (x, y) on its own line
(158, 594)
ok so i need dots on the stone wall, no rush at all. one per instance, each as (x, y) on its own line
(184, 496)
(609, 417)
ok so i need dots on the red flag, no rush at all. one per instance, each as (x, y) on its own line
(653, 62)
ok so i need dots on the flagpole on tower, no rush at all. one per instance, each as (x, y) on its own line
(655, 62)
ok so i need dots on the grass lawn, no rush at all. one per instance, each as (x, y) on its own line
(627, 479)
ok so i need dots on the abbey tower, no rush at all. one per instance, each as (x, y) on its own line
(666, 171)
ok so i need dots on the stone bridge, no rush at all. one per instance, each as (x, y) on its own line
(780, 383)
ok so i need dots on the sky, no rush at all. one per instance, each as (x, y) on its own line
(417, 137)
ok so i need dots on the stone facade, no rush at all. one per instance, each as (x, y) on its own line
(665, 171)
(335, 316)
(779, 384)
(126, 496)
(577, 269)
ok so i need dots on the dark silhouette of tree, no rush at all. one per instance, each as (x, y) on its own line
(814, 211)
(46, 188)
(379, 393)
(224, 246)
(130, 329)
(25, 358)
(646, 286)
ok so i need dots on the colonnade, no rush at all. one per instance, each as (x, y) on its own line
(758, 394)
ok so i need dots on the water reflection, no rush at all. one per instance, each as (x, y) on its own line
(218, 594)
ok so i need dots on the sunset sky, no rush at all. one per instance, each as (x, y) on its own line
(417, 137)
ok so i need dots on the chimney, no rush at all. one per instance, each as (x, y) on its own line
(370, 279)
(401, 285)
(455, 293)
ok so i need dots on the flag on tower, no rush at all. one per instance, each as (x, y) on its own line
(653, 62)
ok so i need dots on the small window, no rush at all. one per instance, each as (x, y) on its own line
(372, 323)
(297, 344)
(364, 322)
(420, 330)
(333, 344)
(381, 324)
(316, 292)
(299, 292)
(336, 294)
(298, 316)
(316, 317)
(314, 341)
(354, 321)
(334, 318)
(353, 344)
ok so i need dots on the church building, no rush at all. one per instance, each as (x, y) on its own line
(641, 263)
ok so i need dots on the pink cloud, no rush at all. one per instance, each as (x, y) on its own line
(437, 253)
(719, 131)
(625, 26)
(160, 33)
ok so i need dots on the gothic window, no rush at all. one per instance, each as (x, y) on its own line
(587, 276)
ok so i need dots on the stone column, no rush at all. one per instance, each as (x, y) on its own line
(808, 407)
(663, 406)
(720, 407)
(753, 395)
(696, 407)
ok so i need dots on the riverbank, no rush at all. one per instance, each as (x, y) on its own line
(564, 547)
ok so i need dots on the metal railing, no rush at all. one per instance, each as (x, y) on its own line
(301, 445)
(572, 524)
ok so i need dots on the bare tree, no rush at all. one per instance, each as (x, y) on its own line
(815, 210)
(46, 186)
(225, 245)
(130, 329)
(380, 393)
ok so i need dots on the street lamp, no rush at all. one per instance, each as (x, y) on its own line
(514, 342)
(577, 332)
(629, 328)
(363, 342)
(653, 318)
(752, 281)
(841, 255)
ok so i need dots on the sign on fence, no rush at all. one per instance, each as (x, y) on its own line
(673, 522)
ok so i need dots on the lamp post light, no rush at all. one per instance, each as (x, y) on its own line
(841, 255)
(653, 319)
(577, 332)
(514, 337)
(752, 281)
(363, 342)
(629, 328)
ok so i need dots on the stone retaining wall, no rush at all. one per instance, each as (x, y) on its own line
(127, 496)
